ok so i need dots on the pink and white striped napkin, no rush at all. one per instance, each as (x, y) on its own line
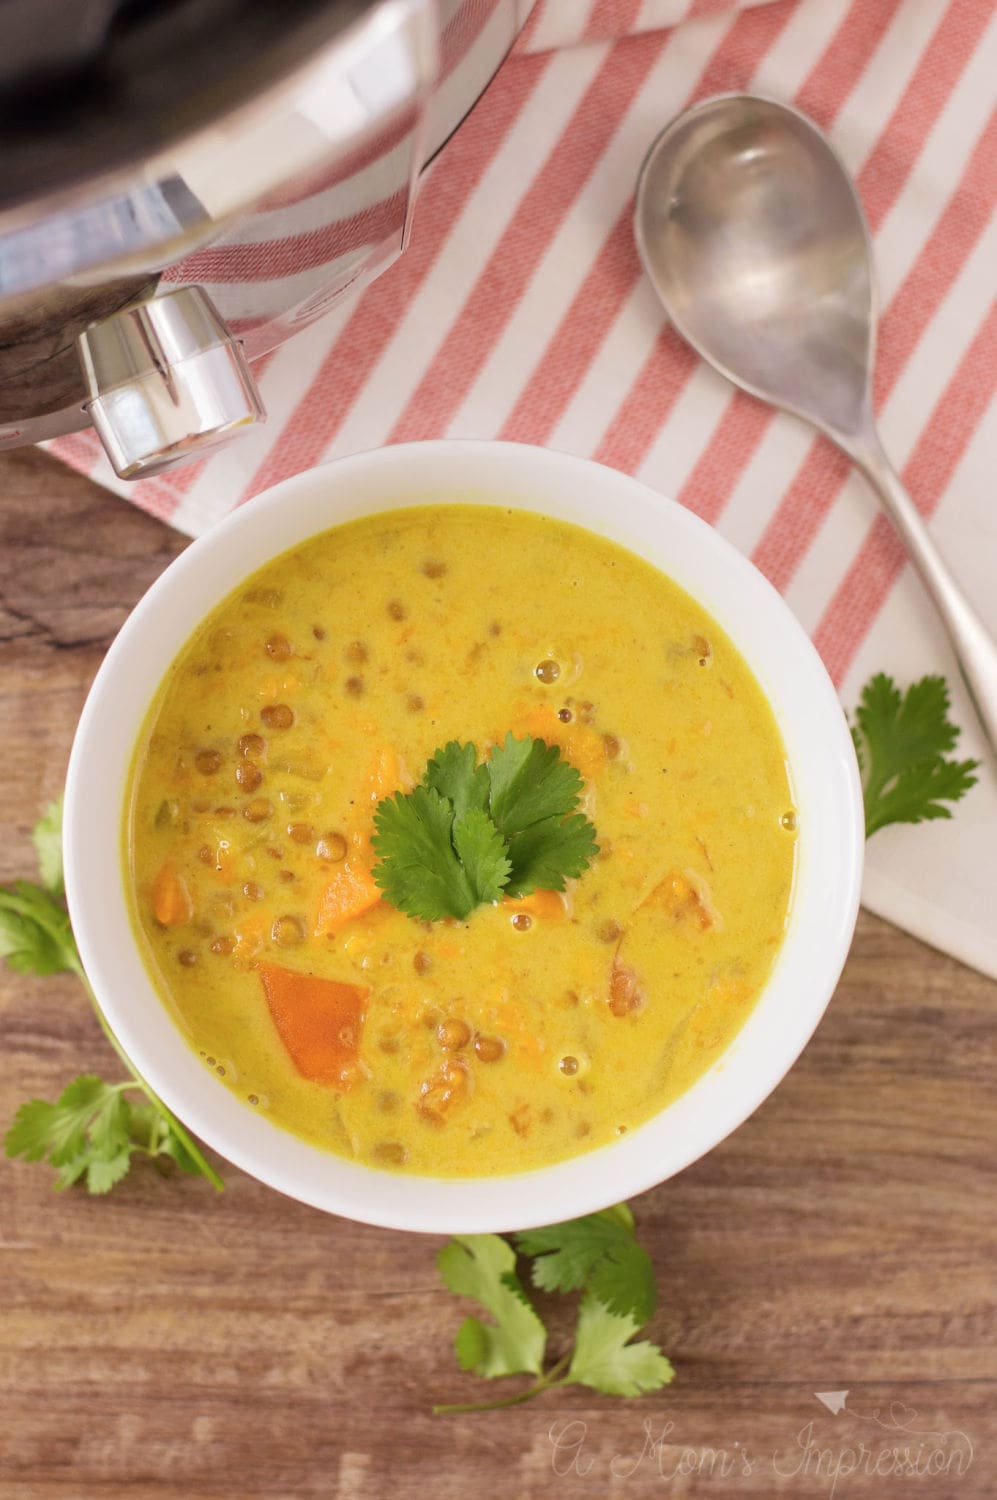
(519, 311)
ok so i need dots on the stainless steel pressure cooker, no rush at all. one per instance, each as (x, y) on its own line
(188, 183)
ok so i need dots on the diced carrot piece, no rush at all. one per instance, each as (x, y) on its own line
(320, 1022)
(549, 905)
(347, 893)
(580, 745)
(171, 903)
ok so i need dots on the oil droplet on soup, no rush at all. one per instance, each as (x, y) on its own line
(537, 1028)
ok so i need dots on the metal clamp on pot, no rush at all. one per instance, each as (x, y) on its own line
(212, 177)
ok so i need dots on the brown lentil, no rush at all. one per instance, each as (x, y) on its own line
(248, 775)
(278, 647)
(396, 609)
(422, 963)
(258, 810)
(453, 1034)
(414, 703)
(277, 715)
(354, 686)
(609, 931)
(187, 957)
(433, 568)
(357, 653)
(392, 1153)
(207, 762)
(301, 833)
(223, 944)
(252, 744)
(489, 1049)
(252, 891)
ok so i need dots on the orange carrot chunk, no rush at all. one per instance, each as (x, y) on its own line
(320, 1022)
(348, 892)
(171, 903)
(540, 903)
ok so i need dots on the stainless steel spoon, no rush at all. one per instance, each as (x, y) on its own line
(754, 238)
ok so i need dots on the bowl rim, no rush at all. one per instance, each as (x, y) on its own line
(826, 784)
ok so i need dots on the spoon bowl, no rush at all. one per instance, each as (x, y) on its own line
(751, 231)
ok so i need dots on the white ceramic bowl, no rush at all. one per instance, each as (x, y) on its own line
(780, 654)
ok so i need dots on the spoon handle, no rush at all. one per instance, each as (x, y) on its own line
(974, 646)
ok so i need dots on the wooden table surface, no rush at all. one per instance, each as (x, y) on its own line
(166, 1341)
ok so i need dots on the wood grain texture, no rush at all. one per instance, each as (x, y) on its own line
(171, 1343)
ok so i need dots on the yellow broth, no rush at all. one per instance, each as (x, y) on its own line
(529, 1032)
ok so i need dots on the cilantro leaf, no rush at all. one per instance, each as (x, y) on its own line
(482, 1266)
(605, 1360)
(86, 1133)
(418, 867)
(901, 740)
(47, 839)
(481, 850)
(103, 1172)
(470, 833)
(35, 935)
(544, 854)
(529, 783)
(453, 773)
(92, 1130)
(597, 1252)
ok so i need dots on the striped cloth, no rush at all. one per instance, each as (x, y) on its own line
(519, 311)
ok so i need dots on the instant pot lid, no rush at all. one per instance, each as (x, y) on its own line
(90, 86)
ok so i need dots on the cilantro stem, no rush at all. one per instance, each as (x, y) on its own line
(554, 1376)
(190, 1145)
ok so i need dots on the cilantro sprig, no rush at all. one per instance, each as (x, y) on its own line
(471, 833)
(901, 740)
(597, 1255)
(92, 1131)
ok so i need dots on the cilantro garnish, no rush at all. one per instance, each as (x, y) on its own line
(471, 833)
(901, 740)
(596, 1255)
(91, 1132)
(598, 1252)
(483, 1267)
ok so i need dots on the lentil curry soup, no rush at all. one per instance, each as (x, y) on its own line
(533, 1029)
